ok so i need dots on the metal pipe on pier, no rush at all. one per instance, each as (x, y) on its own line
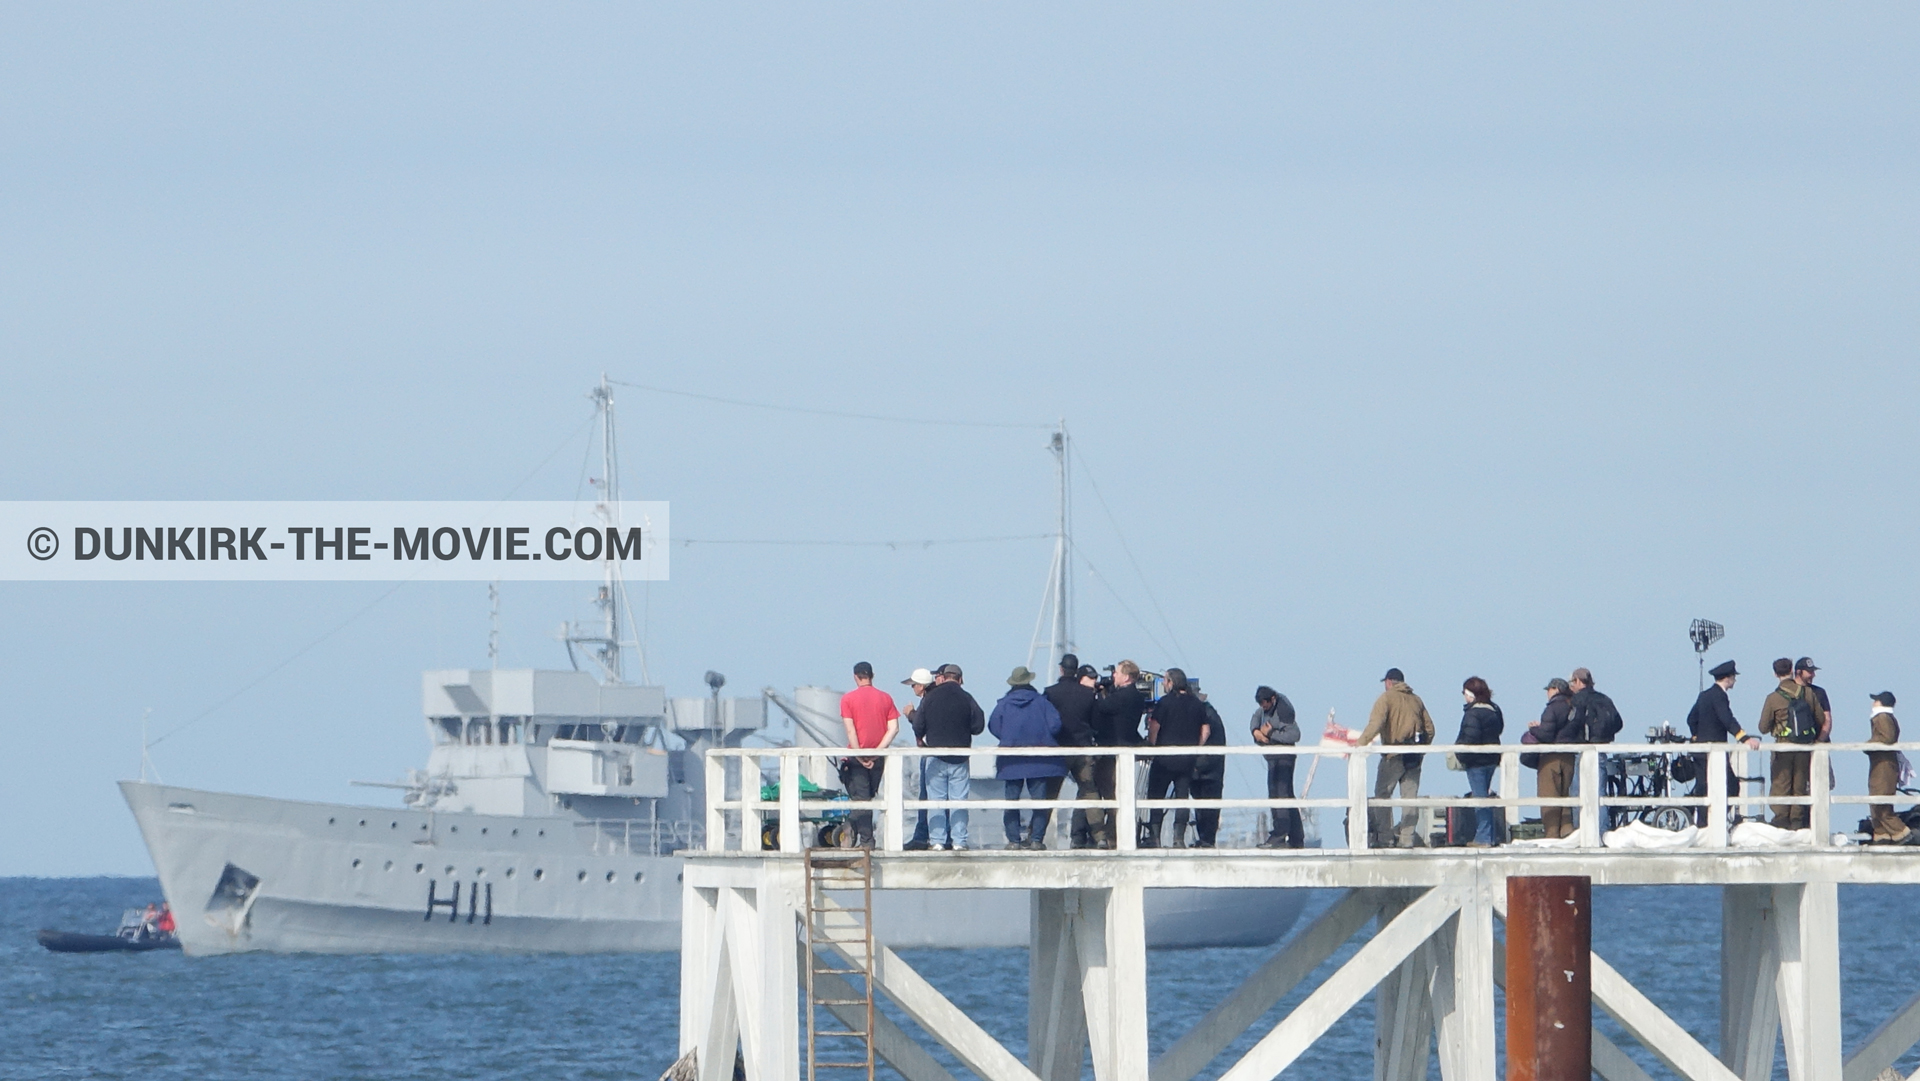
(1549, 978)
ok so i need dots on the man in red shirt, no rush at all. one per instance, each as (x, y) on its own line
(871, 720)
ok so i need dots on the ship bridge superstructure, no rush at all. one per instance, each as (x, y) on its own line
(527, 741)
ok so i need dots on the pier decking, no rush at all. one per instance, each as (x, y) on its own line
(753, 919)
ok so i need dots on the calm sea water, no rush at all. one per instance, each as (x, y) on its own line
(162, 1016)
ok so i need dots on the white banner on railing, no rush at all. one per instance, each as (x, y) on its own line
(74, 541)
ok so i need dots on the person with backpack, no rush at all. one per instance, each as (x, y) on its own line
(1791, 715)
(1594, 712)
(1595, 720)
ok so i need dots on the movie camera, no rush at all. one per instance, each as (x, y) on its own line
(1652, 775)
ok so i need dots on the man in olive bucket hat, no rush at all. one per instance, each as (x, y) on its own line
(1024, 718)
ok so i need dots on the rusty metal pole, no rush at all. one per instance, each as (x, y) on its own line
(1549, 987)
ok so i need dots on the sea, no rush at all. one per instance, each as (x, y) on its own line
(166, 1017)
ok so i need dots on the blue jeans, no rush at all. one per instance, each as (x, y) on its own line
(948, 781)
(920, 820)
(1046, 788)
(1480, 780)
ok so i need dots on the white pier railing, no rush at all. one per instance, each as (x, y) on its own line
(738, 823)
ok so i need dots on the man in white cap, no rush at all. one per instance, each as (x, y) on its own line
(919, 681)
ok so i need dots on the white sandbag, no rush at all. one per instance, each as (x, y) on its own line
(1638, 834)
(1547, 842)
(1761, 835)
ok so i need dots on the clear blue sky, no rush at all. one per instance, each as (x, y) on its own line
(1473, 340)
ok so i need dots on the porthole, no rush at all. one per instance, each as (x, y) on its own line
(638, 875)
(388, 867)
(329, 821)
(483, 831)
(453, 829)
(609, 876)
(581, 877)
(514, 833)
(509, 872)
(449, 868)
(423, 827)
(479, 871)
(538, 874)
(543, 833)
(356, 864)
(681, 877)
(419, 868)
(363, 822)
(393, 825)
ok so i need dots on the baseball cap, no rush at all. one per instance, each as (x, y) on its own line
(1395, 675)
(1558, 684)
(863, 670)
(920, 676)
(952, 671)
(1805, 664)
(1885, 698)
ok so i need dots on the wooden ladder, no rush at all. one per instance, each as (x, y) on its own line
(839, 959)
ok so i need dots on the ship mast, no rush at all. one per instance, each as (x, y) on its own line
(1056, 604)
(605, 641)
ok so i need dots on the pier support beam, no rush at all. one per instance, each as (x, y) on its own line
(1111, 934)
(1749, 969)
(1056, 1009)
(1403, 1007)
(1780, 978)
(1809, 978)
(1463, 989)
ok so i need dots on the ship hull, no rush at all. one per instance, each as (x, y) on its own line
(252, 873)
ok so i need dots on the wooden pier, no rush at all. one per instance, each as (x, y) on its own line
(764, 945)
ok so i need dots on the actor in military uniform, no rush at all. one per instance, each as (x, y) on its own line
(1711, 721)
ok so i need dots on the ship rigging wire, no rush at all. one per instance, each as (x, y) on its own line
(834, 412)
(1079, 460)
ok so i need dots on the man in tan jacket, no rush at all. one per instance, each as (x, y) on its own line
(1791, 771)
(1883, 775)
(1398, 718)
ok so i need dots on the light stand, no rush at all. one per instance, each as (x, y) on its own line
(1704, 633)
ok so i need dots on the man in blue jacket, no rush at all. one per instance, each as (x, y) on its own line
(1024, 718)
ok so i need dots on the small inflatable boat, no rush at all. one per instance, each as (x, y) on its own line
(137, 934)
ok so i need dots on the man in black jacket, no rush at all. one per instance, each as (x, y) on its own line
(948, 717)
(1711, 721)
(1209, 773)
(1073, 698)
(1116, 723)
(1179, 720)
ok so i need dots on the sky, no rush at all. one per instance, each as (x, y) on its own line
(1474, 340)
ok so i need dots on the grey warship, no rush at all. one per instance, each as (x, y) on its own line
(549, 818)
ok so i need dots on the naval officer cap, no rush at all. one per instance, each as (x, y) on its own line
(1723, 670)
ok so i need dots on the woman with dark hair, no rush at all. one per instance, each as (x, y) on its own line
(1481, 722)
